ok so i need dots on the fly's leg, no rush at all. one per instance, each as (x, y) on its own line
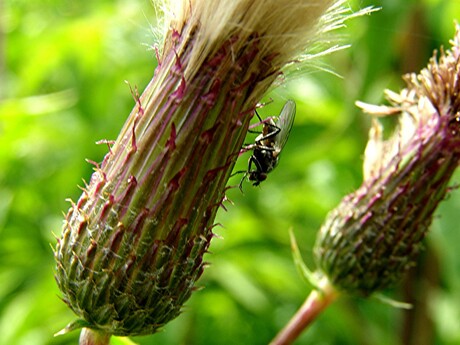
(251, 160)
(240, 185)
(246, 148)
(258, 146)
(274, 130)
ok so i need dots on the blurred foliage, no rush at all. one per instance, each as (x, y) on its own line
(63, 67)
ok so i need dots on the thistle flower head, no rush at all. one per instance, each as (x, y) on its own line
(375, 233)
(132, 246)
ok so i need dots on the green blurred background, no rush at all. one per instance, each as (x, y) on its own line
(63, 66)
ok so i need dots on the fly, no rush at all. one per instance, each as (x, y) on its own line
(269, 144)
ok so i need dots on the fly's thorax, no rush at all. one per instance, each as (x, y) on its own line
(265, 159)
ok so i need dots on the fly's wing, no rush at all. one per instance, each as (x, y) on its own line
(284, 123)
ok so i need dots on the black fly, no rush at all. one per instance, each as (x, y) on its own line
(269, 144)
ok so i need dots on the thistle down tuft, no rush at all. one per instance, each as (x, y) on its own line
(375, 234)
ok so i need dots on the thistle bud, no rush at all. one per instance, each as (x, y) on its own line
(375, 234)
(132, 246)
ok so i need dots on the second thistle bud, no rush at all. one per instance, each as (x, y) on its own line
(375, 233)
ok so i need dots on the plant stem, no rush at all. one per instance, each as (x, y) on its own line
(316, 302)
(90, 336)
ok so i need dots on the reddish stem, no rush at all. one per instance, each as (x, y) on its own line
(316, 302)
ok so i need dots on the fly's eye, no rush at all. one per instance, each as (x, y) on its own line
(254, 176)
